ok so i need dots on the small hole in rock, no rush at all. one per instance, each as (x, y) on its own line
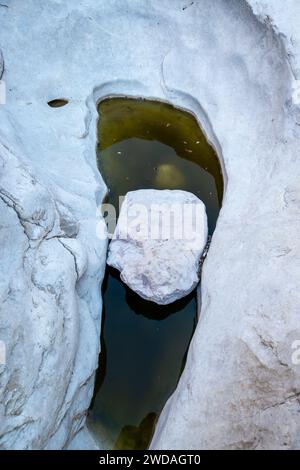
(58, 103)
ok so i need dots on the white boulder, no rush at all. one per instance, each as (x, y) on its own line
(158, 242)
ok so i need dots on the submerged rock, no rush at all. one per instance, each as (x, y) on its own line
(136, 437)
(158, 242)
(168, 175)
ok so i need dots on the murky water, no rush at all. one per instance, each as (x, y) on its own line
(146, 144)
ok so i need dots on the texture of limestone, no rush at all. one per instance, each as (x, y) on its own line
(158, 243)
(233, 63)
(240, 388)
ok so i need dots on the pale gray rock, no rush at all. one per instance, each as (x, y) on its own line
(235, 65)
(158, 243)
(44, 387)
(241, 384)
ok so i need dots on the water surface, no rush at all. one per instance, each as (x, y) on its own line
(146, 144)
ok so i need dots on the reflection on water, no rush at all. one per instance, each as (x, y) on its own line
(143, 349)
(146, 144)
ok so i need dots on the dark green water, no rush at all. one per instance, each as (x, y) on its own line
(146, 144)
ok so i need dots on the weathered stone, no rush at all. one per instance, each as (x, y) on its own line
(235, 65)
(158, 242)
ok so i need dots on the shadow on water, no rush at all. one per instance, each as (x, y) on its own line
(146, 144)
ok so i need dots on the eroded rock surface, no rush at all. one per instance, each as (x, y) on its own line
(44, 388)
(237, 69)
(158, 243)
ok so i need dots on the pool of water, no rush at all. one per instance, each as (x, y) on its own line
(146, 144)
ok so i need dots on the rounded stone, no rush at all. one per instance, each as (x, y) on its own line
(158, 243)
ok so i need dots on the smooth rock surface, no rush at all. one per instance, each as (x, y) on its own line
(241, 384)
(235, 65)
(158, 243)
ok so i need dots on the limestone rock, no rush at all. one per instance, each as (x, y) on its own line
(43, 263)
(235, 65)
(158, 242)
